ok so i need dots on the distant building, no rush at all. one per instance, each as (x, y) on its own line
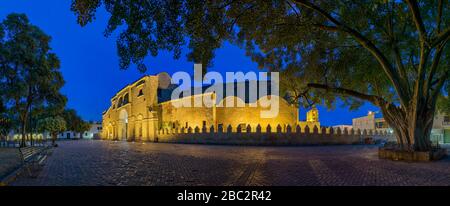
(342, 127)
(312, 119)
(373, 121)
(68, 135)
(441, 129)
(94, 132)
(440, 133)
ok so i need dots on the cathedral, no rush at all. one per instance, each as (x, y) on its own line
(139, 110)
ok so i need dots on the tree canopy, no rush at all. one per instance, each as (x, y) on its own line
(52, 125)
(393, 54)
(30, 79)
(74, 122)
(285, 35)
(5, 123)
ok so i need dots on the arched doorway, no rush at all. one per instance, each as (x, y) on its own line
(138, 127)
(123, 122)
(109, 132)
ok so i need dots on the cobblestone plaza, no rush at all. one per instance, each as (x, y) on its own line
(127, 163)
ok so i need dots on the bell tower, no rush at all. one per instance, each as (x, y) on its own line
(312, 115)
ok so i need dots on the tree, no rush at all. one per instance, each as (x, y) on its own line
(83, 127)
(443, 102)
(40, 112)
(77, 124)
(30, 76)
(393, 54)
(52, 125)
(5, 123)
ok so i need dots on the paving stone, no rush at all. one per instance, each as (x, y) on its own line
(91, 162)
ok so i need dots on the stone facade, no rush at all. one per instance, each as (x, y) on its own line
(133, 112)
(440, 133)
(371, 122)
(140, 109)
(441, 129)
(312, 119)
(244, 116)
(271, 135)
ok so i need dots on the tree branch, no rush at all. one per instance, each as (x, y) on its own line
(424, 52)
(421, 73)
(294, 9)
(414, 7)
(440, 83)
(326, 28)
(433, 68)
(441, 37)
(397, 53)
(371, 98)
(400, 66)
(439, 16)
(226, 4)
(239, 16)
(366, 43)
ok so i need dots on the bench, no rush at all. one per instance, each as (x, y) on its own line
(33, 155)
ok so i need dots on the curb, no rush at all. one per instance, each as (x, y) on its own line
(11, 176)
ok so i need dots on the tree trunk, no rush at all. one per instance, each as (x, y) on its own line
(22, 130)
(54, 136)
(24, 121)
(30, 127)
(412, 126)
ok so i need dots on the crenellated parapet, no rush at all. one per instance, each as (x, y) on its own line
(271, 135)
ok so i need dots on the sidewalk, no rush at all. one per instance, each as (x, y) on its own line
(103, 163)
(9, 161)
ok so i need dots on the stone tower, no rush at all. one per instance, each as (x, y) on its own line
(312, 115)
(131, 115)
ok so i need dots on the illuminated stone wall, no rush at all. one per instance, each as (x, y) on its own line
(366, 122)
(271, 136)
(135, 113)
(235, 116)
(132, 119)
(172, 117)
(303, 124)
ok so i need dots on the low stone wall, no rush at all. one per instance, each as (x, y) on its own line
(299, 137)
(413, 156)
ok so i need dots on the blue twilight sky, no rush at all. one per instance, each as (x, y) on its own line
(89, 61)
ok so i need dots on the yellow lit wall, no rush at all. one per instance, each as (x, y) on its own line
(235, 116)
(143, 116)
(171, 116)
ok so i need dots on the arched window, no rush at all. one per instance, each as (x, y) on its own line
(125, 99)
(140, 93)
(114, 103)
(120, 102)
